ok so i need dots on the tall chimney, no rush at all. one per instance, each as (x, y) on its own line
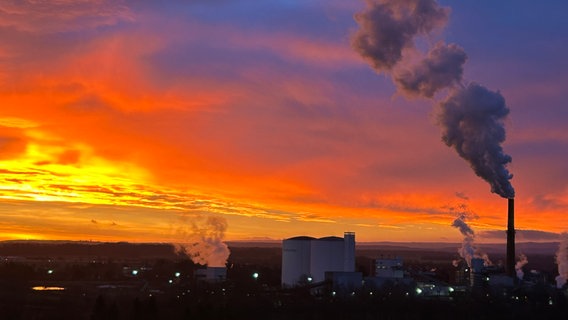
(510, 267)
(349, 251)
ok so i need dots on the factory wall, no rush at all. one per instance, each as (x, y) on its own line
(327, 255)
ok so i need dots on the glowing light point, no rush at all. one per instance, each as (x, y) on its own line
(177, 274)
(255, 275)
(134, 272)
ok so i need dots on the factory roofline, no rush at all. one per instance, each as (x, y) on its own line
(331, 238)
(301, 238)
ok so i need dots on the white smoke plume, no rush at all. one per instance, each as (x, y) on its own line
(471, 117)
(519, 266)
(202, 240)
(562, 261)
(468, 249)
(486, 261)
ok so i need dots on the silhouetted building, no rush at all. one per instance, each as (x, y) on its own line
(389, 268)
(211, 274)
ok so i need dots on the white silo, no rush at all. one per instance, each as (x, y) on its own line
(296, 254)
(349, 251)
(327, 255)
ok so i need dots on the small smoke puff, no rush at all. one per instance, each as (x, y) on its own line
(519, 266)
(463, 227)
(456, 263)
(486, 261)
(440, 69)
(389, 26)
(471, 119)
(562, 261)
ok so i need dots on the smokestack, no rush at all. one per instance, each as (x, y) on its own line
(510, 267)
(349, 252)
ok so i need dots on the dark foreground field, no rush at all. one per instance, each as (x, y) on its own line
(96, 281)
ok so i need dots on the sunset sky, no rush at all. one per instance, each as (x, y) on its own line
(150, 121)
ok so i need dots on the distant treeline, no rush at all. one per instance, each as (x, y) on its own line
(116, 250)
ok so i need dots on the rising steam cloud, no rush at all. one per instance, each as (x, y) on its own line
(519, 266)
(471, 116)
(562, 261)
(201, 239)
(468, 249)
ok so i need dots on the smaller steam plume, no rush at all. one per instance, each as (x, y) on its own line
(562, 261)
(203, 240)
(468, 249)
(519, 266)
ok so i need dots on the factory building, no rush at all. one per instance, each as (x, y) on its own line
(307, 259)
(211, 274)
(389, 268)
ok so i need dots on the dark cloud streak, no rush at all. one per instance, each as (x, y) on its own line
(527, 235)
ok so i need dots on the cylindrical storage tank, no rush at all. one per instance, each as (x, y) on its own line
(295, 260)
(327, 255)
(349, 251)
